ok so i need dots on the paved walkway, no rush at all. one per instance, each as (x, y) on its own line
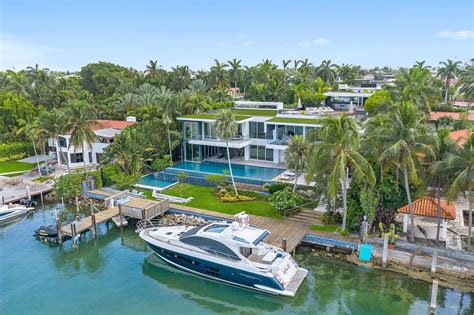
(41, 158)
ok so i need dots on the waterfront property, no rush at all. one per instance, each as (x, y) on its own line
(264, 129)
(105, 132)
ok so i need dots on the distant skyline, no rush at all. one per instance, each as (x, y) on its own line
(66, 34)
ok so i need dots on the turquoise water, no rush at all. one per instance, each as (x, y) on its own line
(150, 180)
(239, 170)
(117, 274)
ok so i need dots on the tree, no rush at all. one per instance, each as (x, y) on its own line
(33, 132)
(52, 124)
(448, 71)
(152, 69)
(218, 72)
(296, 156)
(376, 100)
(80, 117)
(408, 140)
(327, 71)
(444, 121)
(460, 167)
(226, 128)
(334, 154)
(235, 69)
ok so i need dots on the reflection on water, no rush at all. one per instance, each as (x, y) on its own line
(117, 274)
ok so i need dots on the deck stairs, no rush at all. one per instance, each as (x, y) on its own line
(306, 216)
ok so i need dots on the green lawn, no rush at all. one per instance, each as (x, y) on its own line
(302, 121)
(324, 228)
(204, 199)
(14, 166)
(40, 179)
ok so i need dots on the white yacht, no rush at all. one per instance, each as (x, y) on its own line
(229, 252)
(13, 212)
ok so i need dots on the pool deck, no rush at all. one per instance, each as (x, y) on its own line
(241, 161)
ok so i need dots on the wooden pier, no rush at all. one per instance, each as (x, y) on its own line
(87, 222)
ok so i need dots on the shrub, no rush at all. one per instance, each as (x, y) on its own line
(331, 217)
(285, 201)
(181, 177)
(15, 151)
(161, 164)
(68, 186)
(234, 198)
(273, 188)
(217, 180)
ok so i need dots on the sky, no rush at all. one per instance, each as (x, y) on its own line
(68, 34)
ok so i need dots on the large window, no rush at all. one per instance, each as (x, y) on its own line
(76, 158)
(211, 246)
(192, 130)
(62, 142)
(258, 152)
(192, 152)
(283, 132)
(90, 157)
(209, 131)
(257, 130)
(269, 134)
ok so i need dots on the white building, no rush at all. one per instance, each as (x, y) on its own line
(105, 131)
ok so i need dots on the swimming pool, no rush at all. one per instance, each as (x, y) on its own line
(152, 181)
(238, 170)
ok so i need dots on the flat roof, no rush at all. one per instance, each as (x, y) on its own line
(255, 112)
(209, 116)
(346, 94)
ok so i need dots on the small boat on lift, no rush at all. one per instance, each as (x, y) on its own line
(232, 253)
(13, 212)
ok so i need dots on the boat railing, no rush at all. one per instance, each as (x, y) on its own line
(147, 224)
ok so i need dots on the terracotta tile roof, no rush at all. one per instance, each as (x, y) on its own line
(114, 124)
(436, 115)
(427, 207)
(460, 136)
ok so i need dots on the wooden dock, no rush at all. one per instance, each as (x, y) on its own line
(87, 224)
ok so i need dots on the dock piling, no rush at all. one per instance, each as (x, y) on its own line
(283, 244)
(385, 251)
(434, 296)
(94, 226)
(434, 262)
(58, 229)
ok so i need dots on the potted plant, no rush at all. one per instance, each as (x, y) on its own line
(392, 235)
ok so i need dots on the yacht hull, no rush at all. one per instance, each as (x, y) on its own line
(220, 272)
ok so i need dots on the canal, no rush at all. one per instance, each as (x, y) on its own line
(117, 274)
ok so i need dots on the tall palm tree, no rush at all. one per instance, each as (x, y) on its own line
(346, 73)
(33, 132)
(226, 128)
(409, 141)
(218, 71)
(168, 105)
(152, 69)
(80, 117)
(327, 71)
(444, 145)
(52, 123)
(235, 68)
(337, 152)
(460, 166)
(285, 64)
(466, 82)
(297, 156)
(448, 71)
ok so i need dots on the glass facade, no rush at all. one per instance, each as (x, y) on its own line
(258, 152)
(257, 130)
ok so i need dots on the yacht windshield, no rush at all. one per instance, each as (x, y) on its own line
(216, 228)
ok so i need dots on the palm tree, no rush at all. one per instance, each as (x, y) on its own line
(460, 167)
(444, 145)
(326, 71)
(226, 128)
(466, 82)
(408, 140)
(448, 71)
(218, 71)
(168, 105)
(285, 64)
(235, 68)
(296, 156)
(80, 117)
(152, 69)
(34, 133)
(346, 73)
(335, 153)
(52, 123)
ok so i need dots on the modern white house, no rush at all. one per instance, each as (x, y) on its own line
(264, 129)
(105, 131)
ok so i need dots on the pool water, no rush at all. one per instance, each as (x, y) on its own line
(152, 180)
(117, 274)
(238, 170)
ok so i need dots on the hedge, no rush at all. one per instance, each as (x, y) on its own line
(15, 151)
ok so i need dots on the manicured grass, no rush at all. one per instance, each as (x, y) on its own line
(255, 112)
(211, 116)
(324, 228)
(302, 121)
(204, 199)
(14, 175)
(14, 166)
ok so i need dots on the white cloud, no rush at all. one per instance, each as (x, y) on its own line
(18, 54)
(456, 35)
(248, 42)
(241, 36)
(224, 44)
(314, 42)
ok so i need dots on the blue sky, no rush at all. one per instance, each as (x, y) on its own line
(67, 34)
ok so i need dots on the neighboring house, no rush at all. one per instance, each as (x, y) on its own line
(264, 129)
(105, 131)
(434, 116)
(460, 136)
